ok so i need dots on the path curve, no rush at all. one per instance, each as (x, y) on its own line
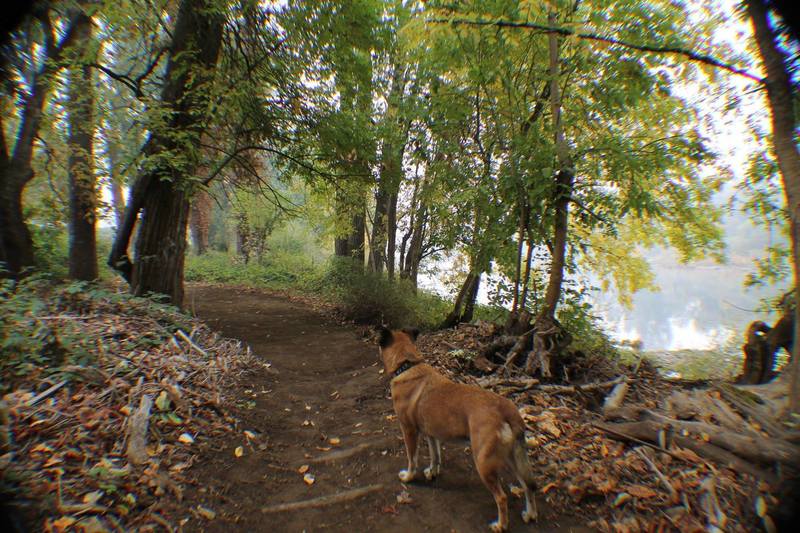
(327, 385)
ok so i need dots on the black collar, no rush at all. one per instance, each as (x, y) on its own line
(405, 365)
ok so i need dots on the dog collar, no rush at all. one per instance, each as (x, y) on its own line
(405, 365)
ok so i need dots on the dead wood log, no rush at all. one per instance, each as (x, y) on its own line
(137, 431)
(521, 384)
(751, 447)
(572, 389)
(518, 348)
(654, 435)
(321, 501)
(701, 405)
(749, 404)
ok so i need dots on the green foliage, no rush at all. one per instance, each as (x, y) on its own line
(371, 298)
(42, 330)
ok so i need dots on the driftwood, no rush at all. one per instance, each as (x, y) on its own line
(324, 500)
(753, 447)
(656, 436)
(748, 403)
(137, 431)
(572, 389)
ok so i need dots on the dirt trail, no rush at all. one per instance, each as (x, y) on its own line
(328, 376)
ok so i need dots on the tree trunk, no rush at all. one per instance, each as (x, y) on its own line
(391, 232)
(452, 319)
(200, 221)
(160, 189)
(378, 239)
(563, 187)
(82, 182)
(779, 97)
(15, 164)
(472, 296)
(161, 246)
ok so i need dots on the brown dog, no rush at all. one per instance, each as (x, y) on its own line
(430, 405)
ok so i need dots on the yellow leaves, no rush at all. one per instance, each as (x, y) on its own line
(309, 479)
(303, 469)
(186, 438)
(334, 441)
(761, 507)
(63, 523)
(239, 451)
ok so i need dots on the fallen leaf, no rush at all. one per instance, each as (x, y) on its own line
(206, 513)
(334, 440)
(63, 523)
(43, 448)
(621, 498)
(640, 491)
(404, 497)
(249, 434)
(303, 469)
(548, 487)
(517, 491)
(239, 451)
(761, 507)
(92, 497)
(162, 401)
(53, 461)
(309, 479)
(186, 438)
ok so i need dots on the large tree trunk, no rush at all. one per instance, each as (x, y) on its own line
(779, 96)
(472, 297)
(454, 316)
(159, 189)
(200, 221)
(15, 164)
(82, 182)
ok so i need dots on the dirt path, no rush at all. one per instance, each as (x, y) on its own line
(327, 386)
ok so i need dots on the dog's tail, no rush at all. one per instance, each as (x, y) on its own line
(520, 461)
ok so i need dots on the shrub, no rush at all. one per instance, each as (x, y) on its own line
(371, 298)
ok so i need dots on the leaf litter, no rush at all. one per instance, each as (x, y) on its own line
(71, 424)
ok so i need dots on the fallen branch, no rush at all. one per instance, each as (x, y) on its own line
(673, 494)
(649, 432)
(742, 401)
(571, 389)
(321, 501)
(49, 392)
(191, 343)
(137, 431)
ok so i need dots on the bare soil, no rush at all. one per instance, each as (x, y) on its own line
(323, 383)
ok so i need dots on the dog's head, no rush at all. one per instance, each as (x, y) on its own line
(397, 346)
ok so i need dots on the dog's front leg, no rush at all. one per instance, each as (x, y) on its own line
(435, 450)
(411, 438)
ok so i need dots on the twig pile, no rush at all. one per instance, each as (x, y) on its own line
(94, 446)
(654, 480)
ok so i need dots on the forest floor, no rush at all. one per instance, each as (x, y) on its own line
(323, 403)
(269, 412)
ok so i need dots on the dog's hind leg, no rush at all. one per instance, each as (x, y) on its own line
(521, 466)
(489, 463)
(411, 438)
(435, 451)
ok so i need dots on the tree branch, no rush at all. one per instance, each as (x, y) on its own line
(689, 54)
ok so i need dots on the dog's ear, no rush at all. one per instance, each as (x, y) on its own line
(411, 332)
(385, 337)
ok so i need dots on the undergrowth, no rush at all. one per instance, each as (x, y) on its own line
(42, 324)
